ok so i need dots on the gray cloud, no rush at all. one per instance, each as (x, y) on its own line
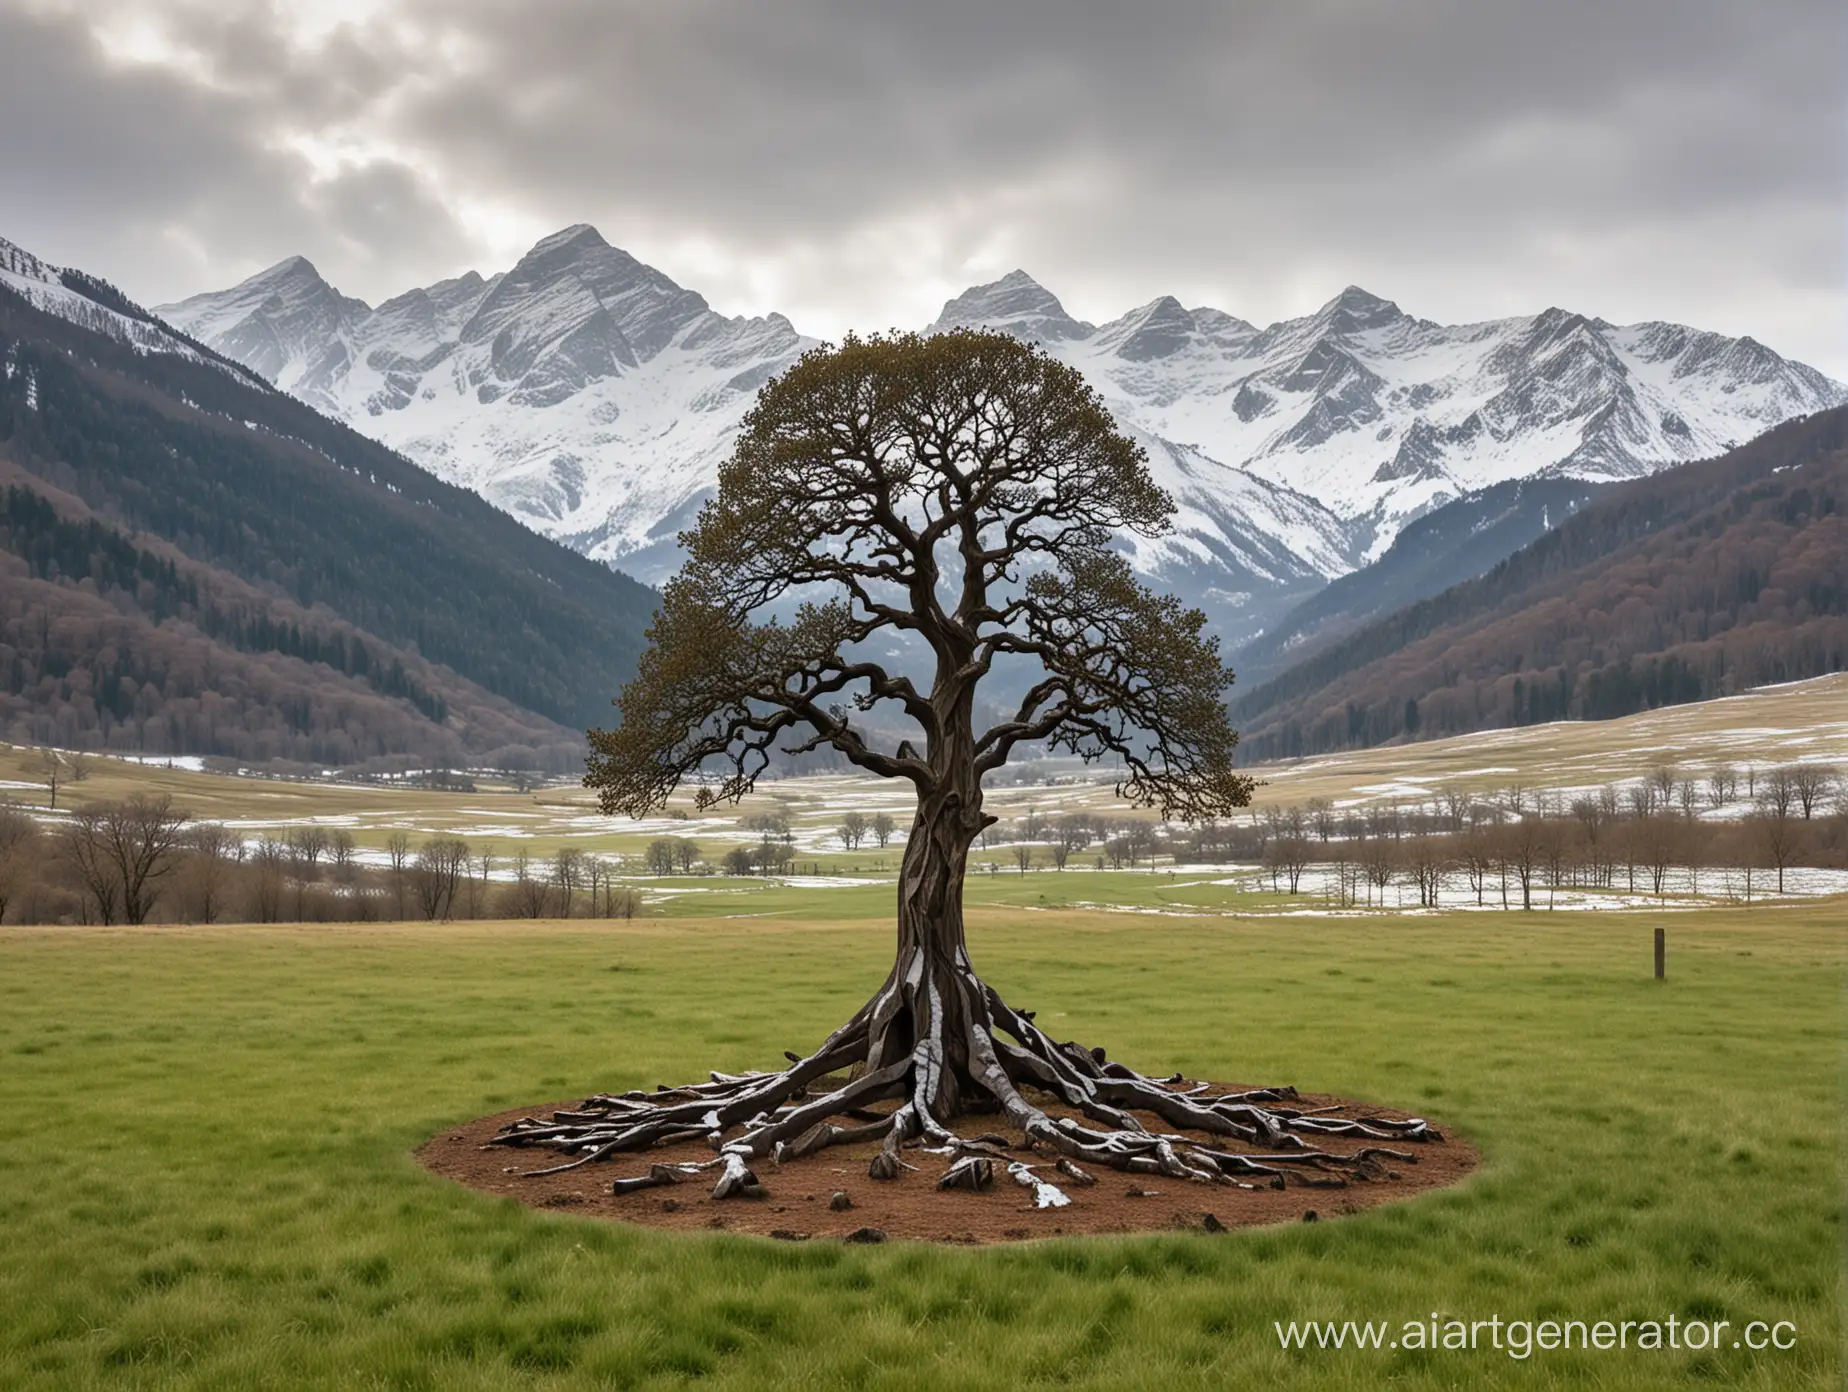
(854, 165)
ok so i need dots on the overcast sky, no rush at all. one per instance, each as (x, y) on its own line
(854, 164)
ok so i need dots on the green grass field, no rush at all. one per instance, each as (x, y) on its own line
(206, 1180)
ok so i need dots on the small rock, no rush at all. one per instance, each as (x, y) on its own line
(1141, 1193)
(866, 1236)
(838, 1202)
(1016, 1233)
(1394, 1174)
(785, 1235)
(715, 1222)
(1311, 1216)
(670, 1205)
(1211, 1223)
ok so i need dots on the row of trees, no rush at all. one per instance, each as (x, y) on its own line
(1290, 838)
(143, 859)
(1514, 862)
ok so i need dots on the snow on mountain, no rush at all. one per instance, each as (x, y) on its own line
(583, 391)
(595, 398)
(85, 300)
(1381, 417)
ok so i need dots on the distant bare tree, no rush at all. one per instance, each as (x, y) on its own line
(1687, 796)
(398, 848)
(1662, 780)
(1658, 839)
(19, 852)
(659, 856)
(1811, 784)
(1378, 860)
(1070, 833)
(1290, 854)
(1426, 861)
(853, 830)
(686, 854)
(1722, 786)
(1775, 838)
(82, 842)
(51, 769)
(478, 877)
(1023, 855)
(213, 849)
(567, 876)
(1556, 848)
(529, 894)
(1033, 825)
(1322, 818)
(883, 827)
(1642, 799)
(122, 851)
(1778, 792)
(307, 844)
(436, 875)
(266, 879)
(1519, 851)
(340, 851)
(1476, 851)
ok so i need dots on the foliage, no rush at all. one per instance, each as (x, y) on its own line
(959, 493)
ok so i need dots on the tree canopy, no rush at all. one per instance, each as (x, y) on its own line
(962, 490)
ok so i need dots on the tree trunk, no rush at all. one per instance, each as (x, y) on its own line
(933, 992)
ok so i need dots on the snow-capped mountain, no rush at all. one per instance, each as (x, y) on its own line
(594, 398)
(583, 391)
(1381, 417)
(89, 302)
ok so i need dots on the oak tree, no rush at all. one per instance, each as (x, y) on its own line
(957, 497)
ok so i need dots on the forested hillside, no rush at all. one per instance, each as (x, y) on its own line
(249, 523)
(1445, 547)
(1699, 582)
(113, 642)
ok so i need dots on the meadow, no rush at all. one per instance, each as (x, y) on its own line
(206, 1176)
(1798, 721)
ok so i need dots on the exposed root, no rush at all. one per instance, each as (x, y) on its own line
(939, 1044)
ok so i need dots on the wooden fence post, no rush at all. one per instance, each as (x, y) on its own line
(1661, 954)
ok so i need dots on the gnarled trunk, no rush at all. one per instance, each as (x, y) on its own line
(929, 997)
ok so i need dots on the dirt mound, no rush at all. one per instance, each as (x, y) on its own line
(798, 1200)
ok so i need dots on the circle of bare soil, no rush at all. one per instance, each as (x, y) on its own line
(799, 1194)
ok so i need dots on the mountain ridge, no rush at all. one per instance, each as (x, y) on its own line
(594, 398)
(163, 441)
(1729, 574)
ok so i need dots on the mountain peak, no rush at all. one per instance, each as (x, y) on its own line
(578, 234)
(1355, 308)
(1157, 329)
(1016, 302)
(289, 270)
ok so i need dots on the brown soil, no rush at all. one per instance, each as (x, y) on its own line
(911, 1207)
